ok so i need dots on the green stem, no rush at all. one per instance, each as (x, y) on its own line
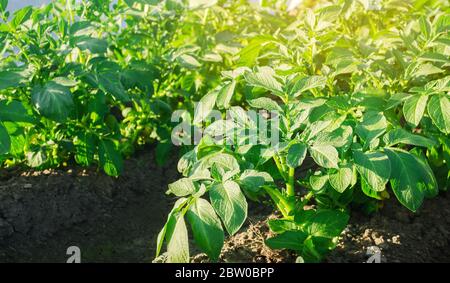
(282, 204)
(280, 167)
(290, 187)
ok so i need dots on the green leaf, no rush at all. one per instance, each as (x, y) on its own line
(282, 225)
(264, 77)
(253, 180)
(374, 168)
(373, 125)
(3, 5)
(292, 240)
(402, 136)
(5, 141)
(36, 158)
(21, 16)
(324, 222)
(169, 225)
(412, 178)
(182, 187)
(204, 107)
(188, 61)
(94, 45)
(225, 94)
(341, 137)
(368, 190)
(14, 111)
(426, 70)
(307, 83)
(178, 242)
(53, 101)
(318, 182)
(439, 111)
(296, 154)
(110, 158)
(110, 83)
(414, 108)
(425, 27)
(342, 179)
(250, 53)
(206, 227)
(265, 103)
(85, 146)
(230, 204)
(14, 78)
(325, 155)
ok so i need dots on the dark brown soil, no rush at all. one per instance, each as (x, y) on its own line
(400, 236)
(118, 219)
(109, 219)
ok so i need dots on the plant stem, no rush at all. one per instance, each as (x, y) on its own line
(290, 187)
(280, 167)
(282, 204)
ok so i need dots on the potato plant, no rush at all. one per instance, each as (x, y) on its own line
(91, 81)
(358, 100)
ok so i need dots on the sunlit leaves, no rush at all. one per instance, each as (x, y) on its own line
(5, 141)
(206, 227)
(53, 101)
(414, 108)
(264, 78)
(439, 111)
(411, 179)
(325, 155)
(374, 168)
(230, 204)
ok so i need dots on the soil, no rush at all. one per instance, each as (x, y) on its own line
(398, 234)
(42, 213)
(109, 219)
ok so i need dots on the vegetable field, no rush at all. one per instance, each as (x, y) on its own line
(299, 128)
